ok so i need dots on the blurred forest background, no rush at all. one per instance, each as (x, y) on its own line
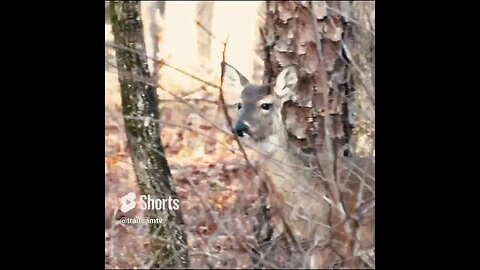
(184, 44)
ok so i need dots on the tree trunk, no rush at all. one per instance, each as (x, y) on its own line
(153, 24)
(139, 101)
(312, 37)
(316, 36)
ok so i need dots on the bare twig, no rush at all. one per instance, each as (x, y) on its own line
(349, 18)
(191, 100)
(201, 26)
(149, 82)
(368, 89)
(224, 106)
(162, 62)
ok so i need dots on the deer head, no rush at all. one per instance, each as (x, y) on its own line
(259, 112)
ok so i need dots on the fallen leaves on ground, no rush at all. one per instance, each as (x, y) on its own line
(213, 183)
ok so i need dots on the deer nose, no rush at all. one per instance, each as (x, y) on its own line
(241, 128)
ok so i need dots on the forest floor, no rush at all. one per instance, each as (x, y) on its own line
(210, 177)
(208, 181)
(216, 189)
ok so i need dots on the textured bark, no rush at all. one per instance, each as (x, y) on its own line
(316, 37)
(311, 36)
(139, 100)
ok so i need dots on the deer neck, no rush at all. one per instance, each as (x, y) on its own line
(277, 149)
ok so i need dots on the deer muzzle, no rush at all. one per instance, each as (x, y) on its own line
(241, 128)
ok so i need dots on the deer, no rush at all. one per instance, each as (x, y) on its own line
(297, 197)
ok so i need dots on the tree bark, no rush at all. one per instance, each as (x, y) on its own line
(141, 116)
(316, 37)
(312, 37)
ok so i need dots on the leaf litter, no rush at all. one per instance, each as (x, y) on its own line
(210, 179)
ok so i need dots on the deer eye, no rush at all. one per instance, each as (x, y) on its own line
(266, 106)
(239, 106)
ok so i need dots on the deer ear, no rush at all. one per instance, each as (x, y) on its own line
(286, 82)
(233, 79)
